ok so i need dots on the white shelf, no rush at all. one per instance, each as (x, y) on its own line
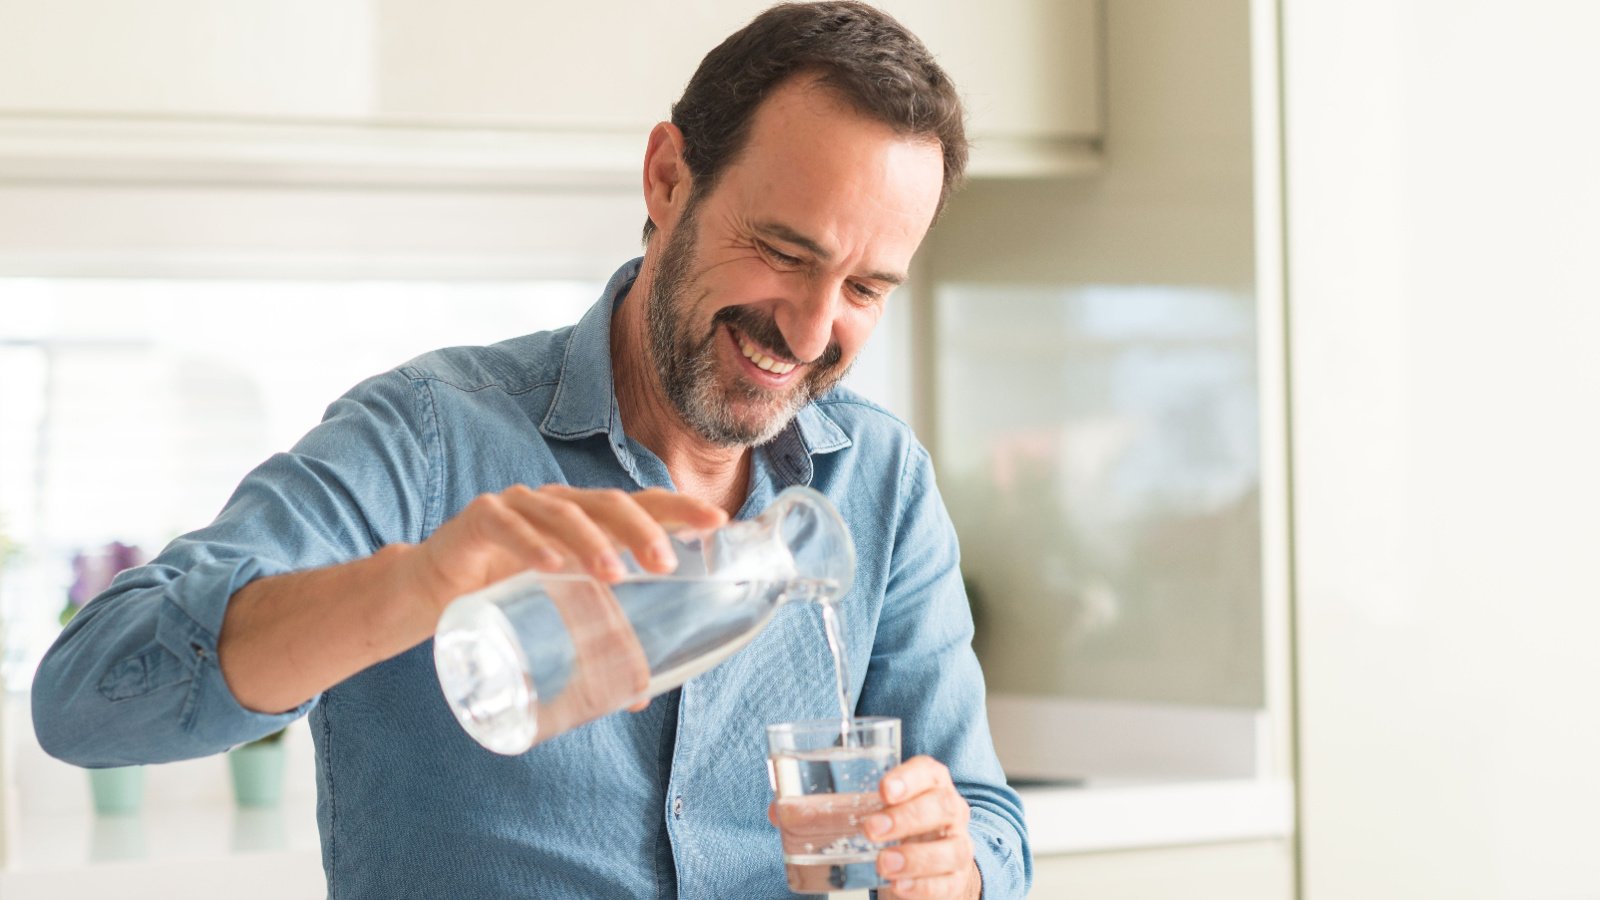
(180, 853)
(201, 852)
(188, 841)
(1132, 815)
(388, 154)
(200, 846)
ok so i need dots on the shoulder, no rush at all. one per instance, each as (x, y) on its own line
(514, 366)
(874, 432)
(863, 418)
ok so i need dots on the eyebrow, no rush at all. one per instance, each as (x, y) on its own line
(788, 235)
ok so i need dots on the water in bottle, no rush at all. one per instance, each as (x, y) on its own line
(537, 654)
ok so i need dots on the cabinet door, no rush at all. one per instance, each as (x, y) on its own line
(233, 58)
(1256, 870)
(599, 73)
(1028, 69)
(606, 65)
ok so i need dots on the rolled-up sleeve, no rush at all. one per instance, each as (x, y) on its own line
(923, 670)
(134, 678)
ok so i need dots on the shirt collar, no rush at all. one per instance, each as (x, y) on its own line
(585, 400)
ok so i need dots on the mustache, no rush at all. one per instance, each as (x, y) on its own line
(763, 329)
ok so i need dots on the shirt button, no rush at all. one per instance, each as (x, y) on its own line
(677, 807)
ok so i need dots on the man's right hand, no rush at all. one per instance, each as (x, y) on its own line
(288, 638)
(552, 529)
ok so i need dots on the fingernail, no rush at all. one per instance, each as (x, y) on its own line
(904, 885)
(662, 553)
(608, 563)
(890, 862)
(877, 825)
(893, 788)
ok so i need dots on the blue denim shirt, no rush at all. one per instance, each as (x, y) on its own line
(668, 802)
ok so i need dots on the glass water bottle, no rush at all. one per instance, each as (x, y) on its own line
(528, 658)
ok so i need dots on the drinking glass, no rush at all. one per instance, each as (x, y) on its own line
(825, 775)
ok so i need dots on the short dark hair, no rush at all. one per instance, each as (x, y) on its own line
(861, 53)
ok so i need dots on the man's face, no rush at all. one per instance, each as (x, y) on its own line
(768, 286)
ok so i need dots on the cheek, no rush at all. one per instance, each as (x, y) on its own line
(740, 282)
(854, 328)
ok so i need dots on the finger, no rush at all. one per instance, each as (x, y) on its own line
(932, 887)
(677, 511)
(515, 543)
(927, 859)
(569, 526)
(932, 812)
(916, 775)
(627, 521)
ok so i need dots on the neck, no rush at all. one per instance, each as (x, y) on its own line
(699, 468)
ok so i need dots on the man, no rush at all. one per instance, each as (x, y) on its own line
(803, 165)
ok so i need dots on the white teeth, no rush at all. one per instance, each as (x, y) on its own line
(763, 361)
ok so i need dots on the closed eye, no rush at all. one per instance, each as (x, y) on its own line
(864, 291)
(778, 256)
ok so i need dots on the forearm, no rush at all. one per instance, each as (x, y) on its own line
(288, 638)
(134, 678)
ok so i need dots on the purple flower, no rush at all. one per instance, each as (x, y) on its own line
(93, 572)
(123, 556)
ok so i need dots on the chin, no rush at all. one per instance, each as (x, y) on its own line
(758, 431)
(754, 428)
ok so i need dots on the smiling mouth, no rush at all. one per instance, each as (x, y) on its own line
(759, 359)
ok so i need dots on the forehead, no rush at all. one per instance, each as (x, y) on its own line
(816, 164)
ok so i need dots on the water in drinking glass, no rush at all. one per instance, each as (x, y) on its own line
(826, 787)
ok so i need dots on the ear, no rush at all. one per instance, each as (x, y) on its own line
(666, 178)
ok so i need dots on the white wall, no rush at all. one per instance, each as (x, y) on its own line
(1173, 204)
(1443, 220)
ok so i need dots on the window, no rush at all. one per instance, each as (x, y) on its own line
(132, 407)
(1098, 448)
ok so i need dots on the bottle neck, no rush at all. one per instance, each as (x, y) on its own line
(811, 589)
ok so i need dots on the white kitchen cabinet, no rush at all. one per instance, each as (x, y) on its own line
(1252, 870)
(1031, 73)
(220, 58)
(1029, 69)
(498, 85)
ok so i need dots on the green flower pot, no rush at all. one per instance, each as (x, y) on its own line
(117, 792)
(257, 774)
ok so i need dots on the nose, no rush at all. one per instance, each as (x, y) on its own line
(807, 319)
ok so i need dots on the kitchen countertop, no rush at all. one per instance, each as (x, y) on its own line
(182, 852)
(191, 841)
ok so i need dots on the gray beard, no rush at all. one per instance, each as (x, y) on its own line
(687, 365)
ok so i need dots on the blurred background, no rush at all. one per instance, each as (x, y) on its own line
(1256, 361)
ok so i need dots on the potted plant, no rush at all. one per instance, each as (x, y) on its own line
(118, 790)
(257, 769)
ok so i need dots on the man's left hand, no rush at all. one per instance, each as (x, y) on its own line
(923, 811)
